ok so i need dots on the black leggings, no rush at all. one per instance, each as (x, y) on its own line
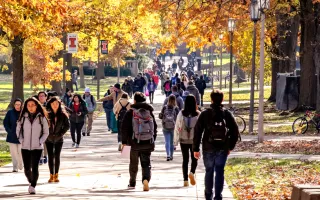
(31, 165)
(185, 148)
(151, 96)
(54, 157)
(76, 127)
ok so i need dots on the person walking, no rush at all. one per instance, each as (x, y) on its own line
(140, 138)
(167, 88)
(179, 100)
(66, 99)
(108, 108)
(184, 133)
(120, 109)
(184, 81)
(168, 116)
(42, 97)
(10, 125)
(91, 106)
(194, 91)
(32, 132)
(175, 80)
(130, 81)
(139, 83)
(152, 86)
(201, 86)
(79, 110)
(74, 79)
(218, 132)
(126, 87)
(59, 125)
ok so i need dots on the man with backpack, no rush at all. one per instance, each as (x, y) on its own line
(175, 80)
(179, 100)
(91, 106)
(201, 86)
(192, 89)
(218, 131)
(139, 130)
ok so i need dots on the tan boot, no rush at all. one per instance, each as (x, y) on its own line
(56, 178)
(51, 179)
(185, 183)
(192, 178)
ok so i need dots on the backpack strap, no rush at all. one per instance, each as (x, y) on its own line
(21, 129)
(91, 97)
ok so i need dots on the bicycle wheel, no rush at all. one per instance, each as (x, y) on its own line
(241, 123)
(300, 125)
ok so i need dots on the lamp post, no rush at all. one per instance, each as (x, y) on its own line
(264, 5)
(220, 37)
(255, 17)
(231, 27)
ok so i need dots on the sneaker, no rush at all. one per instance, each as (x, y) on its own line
(77, 145)
(73, 144)
(145, 185)
(168, 158)
(32, 190)
(88, 134)
(185, 183)
(192, 179)
(130, 187)
(15, 170)
(45, 159)
(83, 133)
(40, 161)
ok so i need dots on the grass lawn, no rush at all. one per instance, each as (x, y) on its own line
(5, 157)
(251, 178)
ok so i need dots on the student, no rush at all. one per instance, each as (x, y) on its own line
(201, 86)
(179, 99)
(141, 139)
(218, 131)
(91, 106)
(120, 109)
(169, 115)
(166, 86)
(184, 133)
(59, 125)
(78, 112)
(42, 97)
(151, 88)
(194, 91)
(66, 99)
(32, 132)
(108, 107)
(10, 124)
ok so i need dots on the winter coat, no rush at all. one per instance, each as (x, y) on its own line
(179, 100)
(90, 106)
(66, 99)
(202, 131)
(126, 87)
(59, 128)
(195, 92)
(154, 87)
(115, 96)
(10, 124)
(139, 83)
(201, 85)
(165, 85)
(117, 107)
(179, 128)
(30, 134)
(74, 117)
(127, 130)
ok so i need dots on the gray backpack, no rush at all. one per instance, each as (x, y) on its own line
(143, 126)
(169, 118)
(187, 133)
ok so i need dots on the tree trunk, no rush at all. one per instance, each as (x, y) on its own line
(17, 63)
(69, 68)
(56, 86)
(307, 80)
(82, 84)
(317, 52)
(274, 69)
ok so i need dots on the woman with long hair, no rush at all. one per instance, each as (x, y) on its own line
(169, 115)
(32, 132)
(79, 110)
(152, 88)
(10, 124)
(59, 125)
(184, 133)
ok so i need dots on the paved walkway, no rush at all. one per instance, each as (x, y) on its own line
(97, 171)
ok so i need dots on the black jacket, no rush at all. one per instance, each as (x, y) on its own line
(10, 124)
(59, 128)
(74, 117)
(201, 85)
(201, 131)
(127, 130)
(127, 87)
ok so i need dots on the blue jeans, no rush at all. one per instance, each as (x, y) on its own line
(108, 116)
(168, 137)
(214, 162)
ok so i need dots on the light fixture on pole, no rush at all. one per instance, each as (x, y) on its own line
(231, 28)
(264, 5)
(220, 37)
(255, 17)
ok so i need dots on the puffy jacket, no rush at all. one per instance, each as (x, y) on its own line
(91, 106)
(195, 92)
(58, 129)
(179, 128)
(10, 124)
(202, 131)
(74, 117)
(117, 107)
(127, 130)
(179, 100)
(30, 134)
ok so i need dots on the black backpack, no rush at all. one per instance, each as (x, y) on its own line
(122, 112)
(218, 129)
(91, 98)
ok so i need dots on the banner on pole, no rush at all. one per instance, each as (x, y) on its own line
(104, 46)
(72, 42)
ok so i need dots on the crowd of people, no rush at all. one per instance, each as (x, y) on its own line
(40, 123)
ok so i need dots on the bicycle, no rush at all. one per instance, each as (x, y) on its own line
(301, 124)
(239, 120)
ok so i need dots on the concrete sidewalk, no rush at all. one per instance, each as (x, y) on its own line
(97, 171)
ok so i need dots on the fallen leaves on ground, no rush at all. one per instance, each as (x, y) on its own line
(285, 147)
(268, 179)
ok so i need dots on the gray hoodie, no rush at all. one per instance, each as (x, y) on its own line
(91, 107)
(195, 92)
(31, 139)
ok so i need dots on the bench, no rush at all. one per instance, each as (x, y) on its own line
(305, 192)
